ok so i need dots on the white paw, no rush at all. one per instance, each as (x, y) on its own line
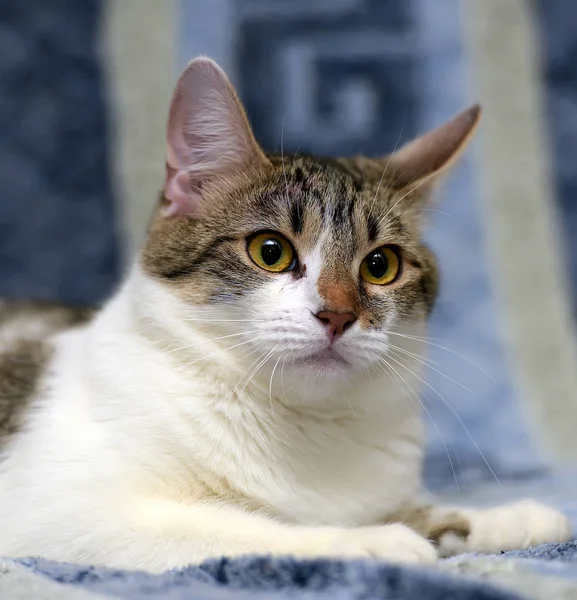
(395, 543)
(516, 526)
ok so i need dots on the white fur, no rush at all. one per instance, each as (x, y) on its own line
(511, 526)
(149, 449)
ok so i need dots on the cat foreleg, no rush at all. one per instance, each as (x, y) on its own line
(514, 526)
(171, 534)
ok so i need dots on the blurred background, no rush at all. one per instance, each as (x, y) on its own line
(84, 96)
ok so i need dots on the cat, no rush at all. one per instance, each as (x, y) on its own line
(245, 389)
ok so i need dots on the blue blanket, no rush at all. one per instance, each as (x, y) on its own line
(275, 579)
(466, 578)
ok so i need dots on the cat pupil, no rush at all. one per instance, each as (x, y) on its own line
(377, 265)
(271, 252)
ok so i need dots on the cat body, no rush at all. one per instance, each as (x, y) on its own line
(305, 465)
(250, 388)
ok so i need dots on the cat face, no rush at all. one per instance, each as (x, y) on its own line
(309, 266)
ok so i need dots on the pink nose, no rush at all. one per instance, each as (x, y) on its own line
(336, 323)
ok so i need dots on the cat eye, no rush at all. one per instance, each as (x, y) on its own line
(271, 252)
(381, 266)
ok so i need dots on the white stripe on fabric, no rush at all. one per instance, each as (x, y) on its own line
(139, 43)
(520, 221)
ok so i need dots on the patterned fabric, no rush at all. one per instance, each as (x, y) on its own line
(57, 227)
(545, 573)
(559, 41)
(476, 433)
(327, 77)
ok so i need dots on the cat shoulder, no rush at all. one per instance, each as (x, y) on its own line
(26, 329)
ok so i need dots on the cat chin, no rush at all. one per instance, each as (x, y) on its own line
(322, 371)
(317, 378)
(324, 362)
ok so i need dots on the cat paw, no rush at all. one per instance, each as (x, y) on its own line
(511, 527)
(395, 542)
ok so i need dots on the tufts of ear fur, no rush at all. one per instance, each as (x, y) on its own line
(420, 163)
(208, 137)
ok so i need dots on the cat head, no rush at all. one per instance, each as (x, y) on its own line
(292, 262)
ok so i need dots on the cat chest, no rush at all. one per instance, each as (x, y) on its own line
(327, 478)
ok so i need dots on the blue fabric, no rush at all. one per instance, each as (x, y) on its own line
(275, 579)
(57, 227)
(477, 430)
(280, 579)
(559, 44)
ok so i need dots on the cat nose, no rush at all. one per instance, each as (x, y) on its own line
(336, 323)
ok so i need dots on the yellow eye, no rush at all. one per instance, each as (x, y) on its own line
(381, 266)
(271, 252)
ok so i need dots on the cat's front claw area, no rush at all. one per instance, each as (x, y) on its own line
(395, 543)
(515, 526)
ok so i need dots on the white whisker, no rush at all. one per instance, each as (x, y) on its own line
(282, 156)
(210, 321)
(220, 350)
(258, 367)
(270, 384)
(408, 193)
(282, 372)
(402, 351)
(248, 371)
(466, 430)
(435, 210)
(222, 337)
(430, 416)
(461, 356)
(389, 161)
(350, 405)
(426, 359)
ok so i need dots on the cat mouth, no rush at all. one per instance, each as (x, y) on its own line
(325, 360)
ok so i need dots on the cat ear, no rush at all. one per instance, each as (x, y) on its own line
(420, 162)
(208, 136)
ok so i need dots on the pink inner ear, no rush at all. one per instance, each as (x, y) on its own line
(183, 195)
(178, 186)
(208, 136)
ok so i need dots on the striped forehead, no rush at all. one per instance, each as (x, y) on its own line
(341, 226)
(316, 201)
